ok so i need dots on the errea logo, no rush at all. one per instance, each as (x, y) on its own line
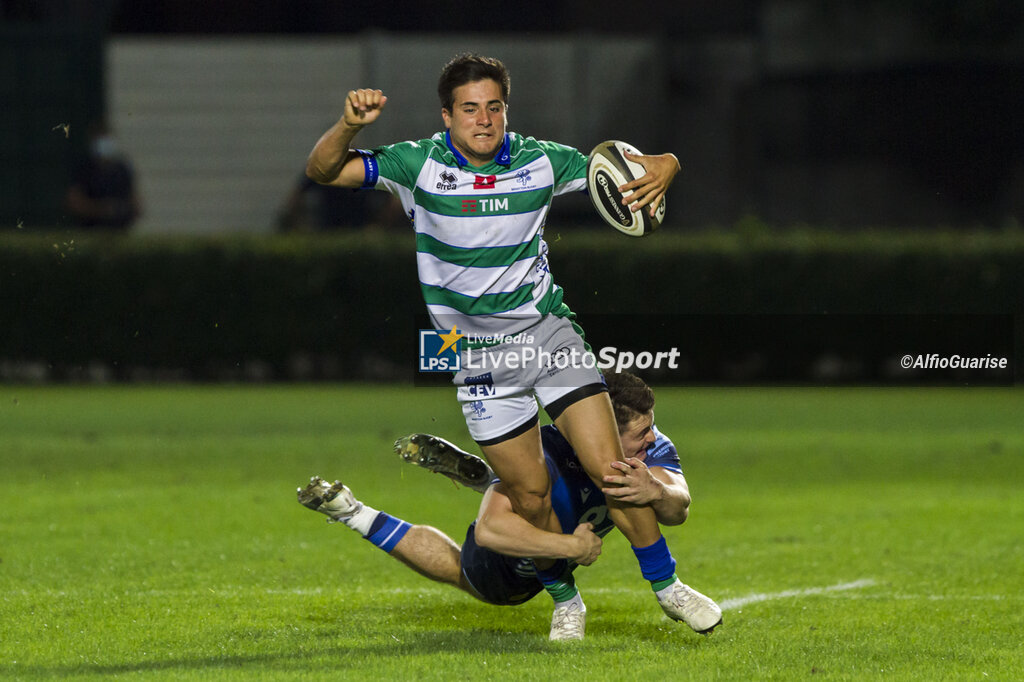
(448, 181)
(484, 205)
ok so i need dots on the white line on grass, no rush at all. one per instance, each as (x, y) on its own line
(739, 602)
(438, 590)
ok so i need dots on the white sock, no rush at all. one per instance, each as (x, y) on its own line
(665, 591)
(577, 599)
(361, 520)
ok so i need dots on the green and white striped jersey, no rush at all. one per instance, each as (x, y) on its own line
(480, 250)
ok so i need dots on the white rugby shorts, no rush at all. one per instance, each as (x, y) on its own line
(499, 385)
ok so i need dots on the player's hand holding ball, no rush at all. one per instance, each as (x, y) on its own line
(628, 188)
(649, 190)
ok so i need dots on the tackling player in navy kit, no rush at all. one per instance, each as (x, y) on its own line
(494, 564)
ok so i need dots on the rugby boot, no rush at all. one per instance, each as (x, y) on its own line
(568, 623)
(693, 608)
(438, 455)
(333, 499)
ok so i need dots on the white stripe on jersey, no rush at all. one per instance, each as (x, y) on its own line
(482, 280)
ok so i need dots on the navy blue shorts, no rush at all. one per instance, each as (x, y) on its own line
(500, 580)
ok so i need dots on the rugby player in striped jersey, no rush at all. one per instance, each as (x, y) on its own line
(478, 195)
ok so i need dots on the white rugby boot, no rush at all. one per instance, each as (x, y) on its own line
(680, 602)
(568, 622)
(438, 455)
(333, 499)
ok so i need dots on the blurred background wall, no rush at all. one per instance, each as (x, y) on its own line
(852, 114)
(219, 129)
(823, 116)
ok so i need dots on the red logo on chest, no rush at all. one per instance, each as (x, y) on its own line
(484, 181)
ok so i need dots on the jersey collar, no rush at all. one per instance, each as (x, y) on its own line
(503, 157)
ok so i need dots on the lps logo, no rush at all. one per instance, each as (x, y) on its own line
(523, 177)
(439, 351)
(478, 408)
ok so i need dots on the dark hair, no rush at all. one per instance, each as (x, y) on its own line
(470, 68)
(631, 397)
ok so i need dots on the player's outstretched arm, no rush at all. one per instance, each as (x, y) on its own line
(332, 161)
(664, 490)
(500, 529)
(649, 189)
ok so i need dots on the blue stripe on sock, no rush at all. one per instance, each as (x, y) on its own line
(386, 531)
(656, 562)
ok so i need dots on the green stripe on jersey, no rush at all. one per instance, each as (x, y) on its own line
(486, 257)
(488, 304)
(478, 234)
(477, 206)
(551, 301)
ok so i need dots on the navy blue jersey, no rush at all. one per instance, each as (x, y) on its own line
(574, 497)
(501, 579)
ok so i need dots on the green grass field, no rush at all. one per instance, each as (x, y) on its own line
(848, 533)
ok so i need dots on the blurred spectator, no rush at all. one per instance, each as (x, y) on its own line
(311, 207)
(102, 193)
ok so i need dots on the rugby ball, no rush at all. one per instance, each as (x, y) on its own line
(607, 170)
